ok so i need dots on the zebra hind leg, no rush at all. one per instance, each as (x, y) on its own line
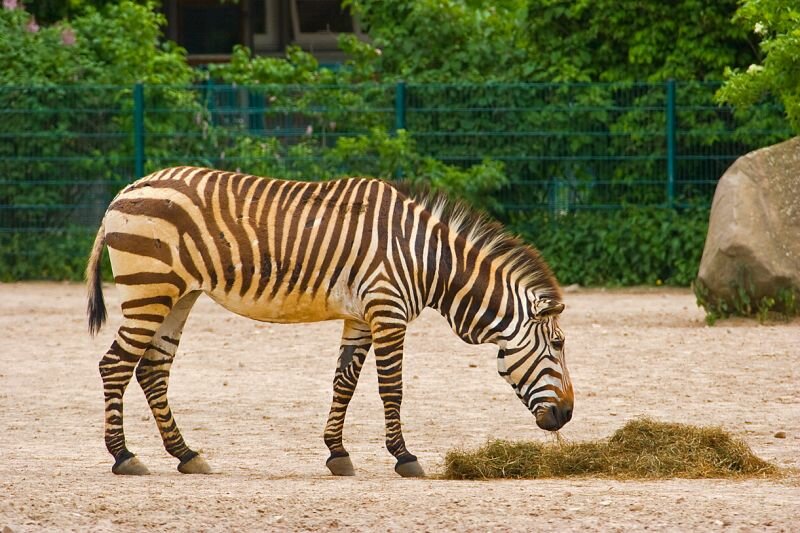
(153, 376)
(356, 342)
(116, 369)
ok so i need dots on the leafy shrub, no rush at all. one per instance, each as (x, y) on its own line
(62, 142)
(298, 67)
(631, 246)
(743, 300)
(554, 40)
(116, 45)
(59, 254)
(373, 154)
(548, 146)
(777, 25)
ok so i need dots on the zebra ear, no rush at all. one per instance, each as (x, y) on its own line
(545, 308)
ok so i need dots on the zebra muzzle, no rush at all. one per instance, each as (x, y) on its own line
(553, 417)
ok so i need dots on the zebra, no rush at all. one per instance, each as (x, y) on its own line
(354, 249)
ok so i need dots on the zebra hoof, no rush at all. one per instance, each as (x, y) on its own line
(195, 465)
(341, 466)
(131, 466)
(409, 469)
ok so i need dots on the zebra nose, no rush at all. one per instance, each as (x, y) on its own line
(554, 417)
(548, 419)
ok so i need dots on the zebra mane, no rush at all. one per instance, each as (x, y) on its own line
(485, 233)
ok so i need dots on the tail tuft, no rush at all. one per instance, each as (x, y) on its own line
(96, 309)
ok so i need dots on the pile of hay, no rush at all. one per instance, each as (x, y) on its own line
(642, 449)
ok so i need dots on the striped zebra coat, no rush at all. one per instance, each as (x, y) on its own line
(356, 250)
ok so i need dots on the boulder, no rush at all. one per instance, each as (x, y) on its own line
(753, 241)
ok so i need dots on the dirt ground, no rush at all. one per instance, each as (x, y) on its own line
(254, 398)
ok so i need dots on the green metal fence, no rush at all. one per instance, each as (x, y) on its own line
(66, 150)
(593, 146)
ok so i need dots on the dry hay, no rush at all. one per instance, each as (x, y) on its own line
(642, 449)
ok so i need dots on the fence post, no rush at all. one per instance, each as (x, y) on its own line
(138, 130)
(209, 88)
(670, 143)
(400, 106)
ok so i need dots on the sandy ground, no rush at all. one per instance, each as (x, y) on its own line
(254, 398)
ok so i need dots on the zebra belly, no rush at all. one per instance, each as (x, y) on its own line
(291, 308)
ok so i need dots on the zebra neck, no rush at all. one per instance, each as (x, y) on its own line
(459, 290)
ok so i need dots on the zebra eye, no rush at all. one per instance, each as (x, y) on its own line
(557, 343)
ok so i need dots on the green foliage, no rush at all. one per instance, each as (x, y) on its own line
(59, 254)
(656, 41)
(361, 63)
(554, 133)
(631, 246)
(444, 40)
(554, 40)
(116, 45)
(245, 69)
(65, 149)
(32, 54)
(390, 157)
(500, 147)
(478, 185)
(777, 24)
(50, 11)
(342, 136)
(374, 154)
(744, 301)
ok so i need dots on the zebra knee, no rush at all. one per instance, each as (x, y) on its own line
(111, 359)
(143, 370)
(116, 369)
(106, 365)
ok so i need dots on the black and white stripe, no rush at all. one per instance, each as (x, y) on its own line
(281, 251)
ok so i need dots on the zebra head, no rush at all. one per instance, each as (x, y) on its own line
(531, 359)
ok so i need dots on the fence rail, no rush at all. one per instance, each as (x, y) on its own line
(66, 150)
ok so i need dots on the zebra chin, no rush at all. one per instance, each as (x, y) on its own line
(552, 417)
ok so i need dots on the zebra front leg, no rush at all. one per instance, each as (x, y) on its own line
(388, 341)
(153, 376)
(356, 341)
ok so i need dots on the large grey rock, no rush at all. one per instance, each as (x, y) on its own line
(753, 237)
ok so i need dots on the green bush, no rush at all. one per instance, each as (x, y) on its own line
(500, 147)
(630, 246)
(554, 40)
(65, 144)
(374, 154)
(58, 254)
(115, 46)
(776, 23)
(745, 301)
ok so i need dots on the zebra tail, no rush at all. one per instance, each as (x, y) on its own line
(96, 310)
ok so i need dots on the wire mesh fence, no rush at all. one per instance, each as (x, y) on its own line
(66, 150)
(592, 146)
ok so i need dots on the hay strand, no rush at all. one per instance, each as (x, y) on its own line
(642, 449)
